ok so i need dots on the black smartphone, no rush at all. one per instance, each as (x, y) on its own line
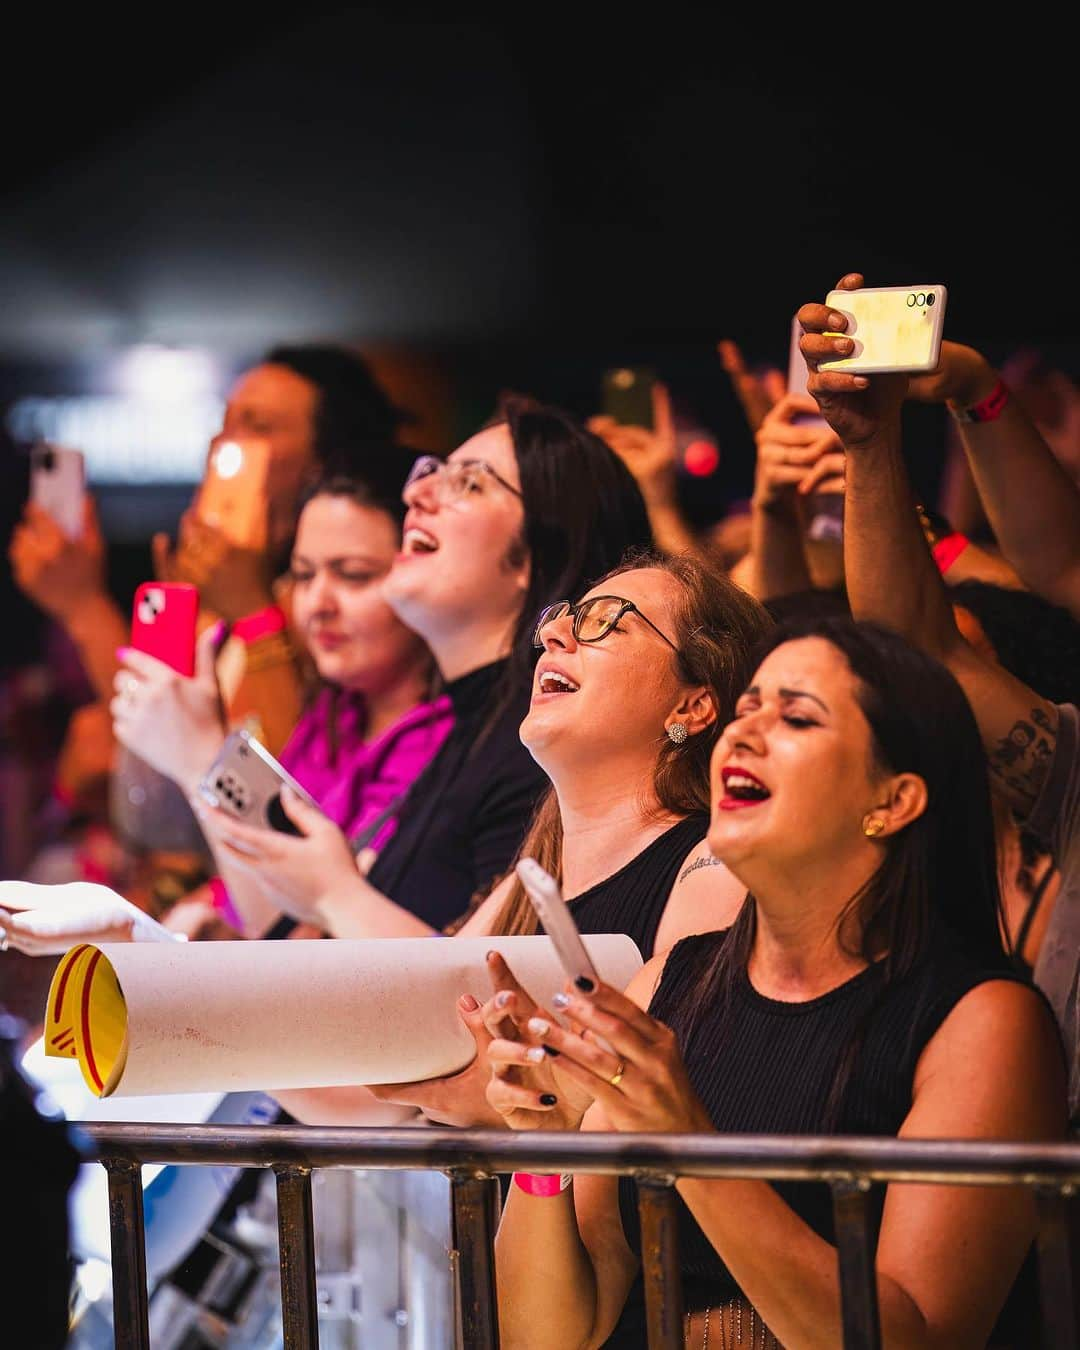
(627, 395)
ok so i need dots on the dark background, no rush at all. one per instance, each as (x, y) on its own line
(520, 197)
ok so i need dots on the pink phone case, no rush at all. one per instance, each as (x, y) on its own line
(58, 485)
(163, 622)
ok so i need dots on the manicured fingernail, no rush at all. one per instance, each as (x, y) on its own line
(538, 1026)
(535, 1054)
(490, 956)
(220, 629)
(502, 998)
(121, 653)
(585, 984)
(550, 1050)
(560, 1001)
(548, 1099)
(837, 320)
(861, 382)
(467, 1003)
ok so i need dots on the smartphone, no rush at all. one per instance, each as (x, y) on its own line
(245, 781)
(233, 492)
(894, 328)
(163, 621)
(58, 485)
(626, 395)
(554, 913)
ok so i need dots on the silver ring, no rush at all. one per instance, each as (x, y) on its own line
(128, 690)
(3, 943)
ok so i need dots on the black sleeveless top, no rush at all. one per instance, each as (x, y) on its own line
(632, 900)
(768, 1070)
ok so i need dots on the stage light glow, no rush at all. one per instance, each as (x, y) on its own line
(701, 458)
(157, 374)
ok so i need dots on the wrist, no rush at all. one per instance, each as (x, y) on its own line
(987, 407)
(83, 615)
(973, 386)
(543, 1184)
(259, 622)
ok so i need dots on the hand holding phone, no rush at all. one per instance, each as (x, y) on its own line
(895, 329)
(233, 494)
(627, 396)
(245, 781)
(58, 485)
(163, 622)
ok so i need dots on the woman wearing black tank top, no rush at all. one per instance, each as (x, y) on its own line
(863, 988)
(634, 683)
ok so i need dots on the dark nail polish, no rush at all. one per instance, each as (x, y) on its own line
(585, 984)
(550, 1050)
(548, 1099)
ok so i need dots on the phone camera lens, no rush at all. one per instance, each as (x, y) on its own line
(911, 300)
(929, 297)
(920, 299)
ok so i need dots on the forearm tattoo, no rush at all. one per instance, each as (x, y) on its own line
(708, 861)
(1021, 759)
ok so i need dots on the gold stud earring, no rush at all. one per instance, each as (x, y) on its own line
(872, 826)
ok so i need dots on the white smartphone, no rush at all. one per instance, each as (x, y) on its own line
(896, 329)
(245, 781)
(554, 913)
(58, 485)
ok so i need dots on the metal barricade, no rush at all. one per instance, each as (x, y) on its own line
(473, 1158)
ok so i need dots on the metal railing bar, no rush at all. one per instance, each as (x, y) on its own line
(855, 1246)
(772, 1157)
(1056, 1287)
(127, 1234)
(474, 1201)
(660, 1269)
(296, 1251)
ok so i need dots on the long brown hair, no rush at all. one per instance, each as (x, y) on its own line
(716, 628)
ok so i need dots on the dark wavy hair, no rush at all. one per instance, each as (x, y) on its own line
(940, 872)
(1034, 640)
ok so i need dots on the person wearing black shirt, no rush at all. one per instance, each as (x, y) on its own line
(862, 988)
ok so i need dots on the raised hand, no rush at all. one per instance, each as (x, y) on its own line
(649, 453)
(859, 409)
(58, 573)
(173, 722)
(232, 581)
(795, 457)
(756, 393)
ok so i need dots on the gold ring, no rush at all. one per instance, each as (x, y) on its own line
(616, 1077)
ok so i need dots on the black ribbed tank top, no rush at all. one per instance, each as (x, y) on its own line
(768, 1067)
(632, 899)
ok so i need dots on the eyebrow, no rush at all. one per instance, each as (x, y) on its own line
(789, 693)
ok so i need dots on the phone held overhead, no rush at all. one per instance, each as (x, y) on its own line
(233, 494)
(58, 485)
(627, 396)
(895, 329)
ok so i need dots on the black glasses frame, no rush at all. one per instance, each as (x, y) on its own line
(577, 615)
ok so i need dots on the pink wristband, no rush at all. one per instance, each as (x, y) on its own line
(260, 624)
(222, 902)
(948, 549)
(542, 1183)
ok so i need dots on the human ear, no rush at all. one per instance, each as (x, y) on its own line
(696, 710)
(902, 799)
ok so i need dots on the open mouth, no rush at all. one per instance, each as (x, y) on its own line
(742, 789)
(416, 540)
(555, 682)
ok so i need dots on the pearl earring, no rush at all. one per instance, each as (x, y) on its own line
(677, 733)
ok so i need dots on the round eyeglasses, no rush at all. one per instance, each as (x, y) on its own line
(593, 619)
(456, 478)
